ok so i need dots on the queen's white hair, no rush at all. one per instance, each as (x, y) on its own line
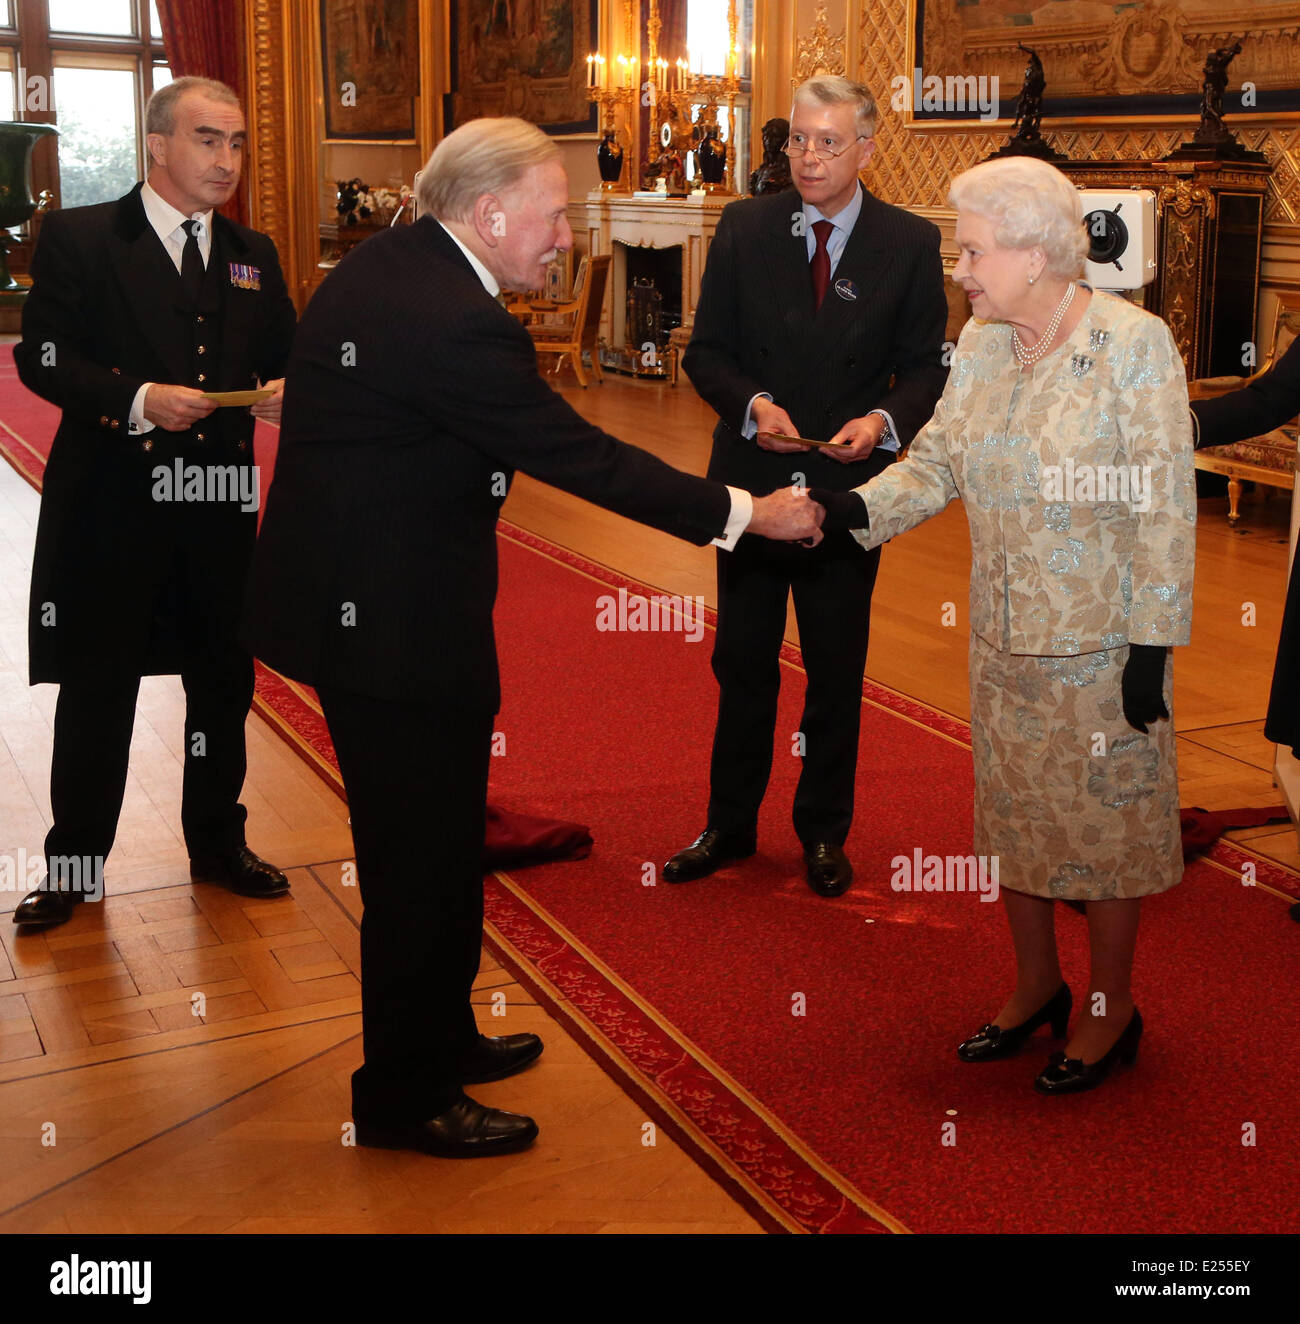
(1031, 205)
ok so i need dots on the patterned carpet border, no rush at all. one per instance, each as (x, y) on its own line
(23, 457)
(730, 1133)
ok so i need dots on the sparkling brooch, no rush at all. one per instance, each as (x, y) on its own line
(1080, 364)
(1096, 339)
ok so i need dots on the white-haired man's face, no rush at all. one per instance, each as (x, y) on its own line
(529, 227)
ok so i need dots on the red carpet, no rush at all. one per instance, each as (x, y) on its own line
(834, 1120)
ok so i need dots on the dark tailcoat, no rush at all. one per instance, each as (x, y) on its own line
(1255, 409)
(875, 343)
(411, 398)
(119, 578)
(123, 584)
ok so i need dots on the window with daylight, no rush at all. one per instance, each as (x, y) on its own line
(708, 46)
(88, 66)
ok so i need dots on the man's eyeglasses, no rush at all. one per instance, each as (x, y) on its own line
(797, 145)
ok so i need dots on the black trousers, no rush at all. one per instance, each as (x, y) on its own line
(93, 720)
(416, 778)
(832, 585)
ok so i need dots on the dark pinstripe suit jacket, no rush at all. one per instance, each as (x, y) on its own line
(878, 344)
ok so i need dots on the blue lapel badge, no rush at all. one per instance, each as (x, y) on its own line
(846, 289)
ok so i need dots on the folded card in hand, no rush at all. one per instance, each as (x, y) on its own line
(803, 441)
(239, 397)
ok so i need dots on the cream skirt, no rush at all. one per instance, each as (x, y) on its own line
(1072, 800)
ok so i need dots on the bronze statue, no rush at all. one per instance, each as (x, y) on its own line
(1213, 140)
(773, 172)
(1212, 90)
(1029, 105)
(1027, 140)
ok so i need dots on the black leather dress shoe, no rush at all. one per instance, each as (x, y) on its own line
(496, 1057)
(1070, 1075)
(993, 1041)
(707, 854)
(466, 1130)
(829, 870)
(244, 872)
(52, 907)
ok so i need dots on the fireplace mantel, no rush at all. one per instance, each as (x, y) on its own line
(613, 219)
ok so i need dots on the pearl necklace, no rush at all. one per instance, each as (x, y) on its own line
(1028, 357)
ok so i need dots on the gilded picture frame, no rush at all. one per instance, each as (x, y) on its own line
(1143, 62)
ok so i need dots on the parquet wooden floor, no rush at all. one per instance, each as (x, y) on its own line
(192, 1050)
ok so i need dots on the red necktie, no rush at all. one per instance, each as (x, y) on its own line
(821, 262)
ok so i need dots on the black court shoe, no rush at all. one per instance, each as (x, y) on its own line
(1069, 1075)
(993, 1041)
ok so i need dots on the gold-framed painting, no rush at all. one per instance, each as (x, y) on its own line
(1100, 58)
(525, 58)
(370, 62)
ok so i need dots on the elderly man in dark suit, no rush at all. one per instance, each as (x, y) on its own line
(821, 315)
(148, 516)
(411, 398)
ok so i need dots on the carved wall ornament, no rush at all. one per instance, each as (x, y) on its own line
(1147, 50)
(819, 52)
(1183, 198)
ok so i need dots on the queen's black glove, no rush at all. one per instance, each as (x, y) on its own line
(1142, 685)
(844, 510)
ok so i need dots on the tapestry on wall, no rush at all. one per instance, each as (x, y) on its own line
(525, 58)
(370, 55)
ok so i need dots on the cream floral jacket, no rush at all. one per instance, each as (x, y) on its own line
(1078, 483)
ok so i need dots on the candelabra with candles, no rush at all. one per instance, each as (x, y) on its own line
(611, 84)
(678, 89)
(673, 90)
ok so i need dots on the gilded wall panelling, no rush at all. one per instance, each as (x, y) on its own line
(283, 112)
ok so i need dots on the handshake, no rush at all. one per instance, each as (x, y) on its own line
(789, 515)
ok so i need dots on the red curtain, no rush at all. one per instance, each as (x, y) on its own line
(206, 39)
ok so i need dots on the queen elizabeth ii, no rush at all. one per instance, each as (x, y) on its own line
(1064, 429)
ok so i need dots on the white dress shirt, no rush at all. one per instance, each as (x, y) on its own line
(169, 225)
(742, 504)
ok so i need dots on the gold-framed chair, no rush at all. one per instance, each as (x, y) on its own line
(581, 328)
